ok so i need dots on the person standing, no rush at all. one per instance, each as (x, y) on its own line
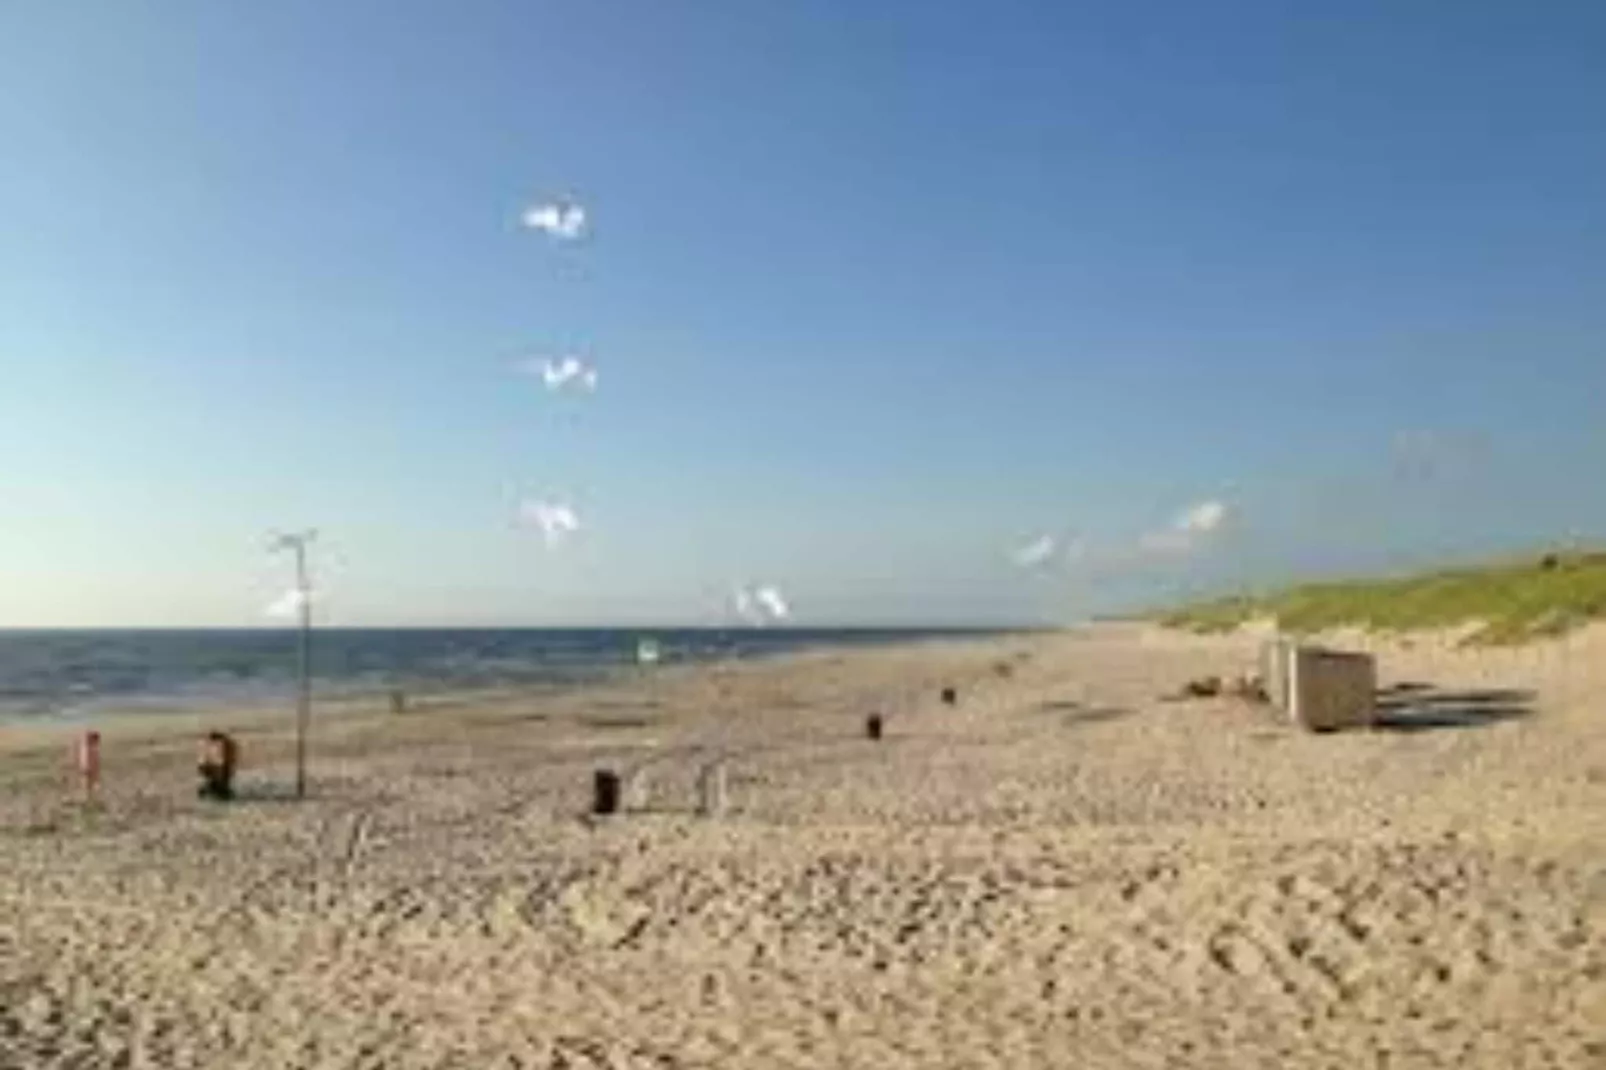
(86, 757)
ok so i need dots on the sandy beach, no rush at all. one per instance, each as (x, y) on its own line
(1061, 870)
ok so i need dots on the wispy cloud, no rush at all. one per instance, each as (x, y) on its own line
(1192, 528)
(1036, 552)
(563, 373)
(562, 219)
(555, 520)
(759, 605)
(1202, 519)
(773, 602)
(1190, 531)
(287, 604)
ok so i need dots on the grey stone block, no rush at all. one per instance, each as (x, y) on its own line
(1331, 689)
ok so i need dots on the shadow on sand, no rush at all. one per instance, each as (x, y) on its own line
(1416, 707)
(1075, 713)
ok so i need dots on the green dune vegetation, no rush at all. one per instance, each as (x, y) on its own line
(1510, 601)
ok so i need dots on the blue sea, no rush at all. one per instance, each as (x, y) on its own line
(63, 675)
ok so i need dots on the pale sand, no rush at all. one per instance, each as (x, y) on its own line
(1060, 872)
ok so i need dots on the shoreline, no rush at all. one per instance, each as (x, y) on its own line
(434, 688)
(137, 723)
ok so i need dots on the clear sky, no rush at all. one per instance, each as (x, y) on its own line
(878, 295)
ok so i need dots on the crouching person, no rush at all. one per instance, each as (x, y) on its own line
(219, 757)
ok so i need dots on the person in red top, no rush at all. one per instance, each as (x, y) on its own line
(86, 756)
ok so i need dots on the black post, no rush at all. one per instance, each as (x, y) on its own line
(605, 792)
(872, 726)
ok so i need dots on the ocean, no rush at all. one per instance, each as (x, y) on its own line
(66, 675)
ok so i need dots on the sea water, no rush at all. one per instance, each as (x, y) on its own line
(51, 674)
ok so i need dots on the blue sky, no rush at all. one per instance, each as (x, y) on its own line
(877, 294)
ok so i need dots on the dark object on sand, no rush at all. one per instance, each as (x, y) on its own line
(950, 697)
(605, 792)
(873, 725)
(220, 756)
(398, 701)
(1203, 687)
(1003, 669)
(1249, 688)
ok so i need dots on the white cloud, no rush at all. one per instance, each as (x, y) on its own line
(564, 220)
(1203, 518)
(1035, 552)
(773, 602)
(287, 604)
(558, 374)
(1195, 526)
(761, 605)
(555, 520)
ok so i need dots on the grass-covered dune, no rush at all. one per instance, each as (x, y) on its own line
(1511, 601)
